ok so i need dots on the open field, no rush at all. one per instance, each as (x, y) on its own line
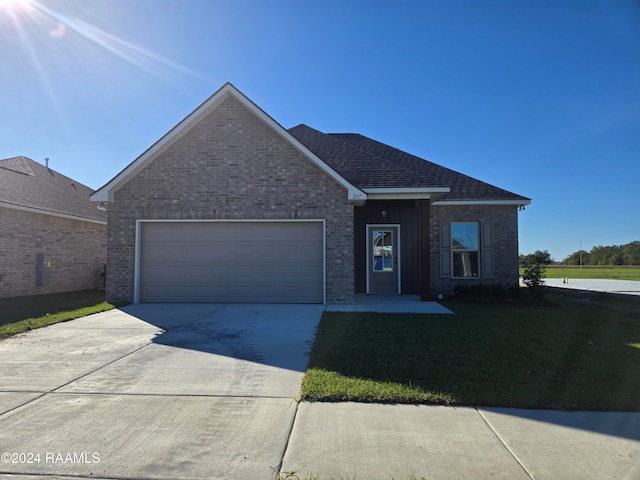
(603, 272)
(575, 354)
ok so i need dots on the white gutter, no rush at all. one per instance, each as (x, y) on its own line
(482, 202)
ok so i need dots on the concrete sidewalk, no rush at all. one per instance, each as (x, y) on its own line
(373, 441)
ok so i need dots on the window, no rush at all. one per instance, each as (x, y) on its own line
(465, 249)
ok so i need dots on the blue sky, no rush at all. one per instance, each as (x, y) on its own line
(540, 98)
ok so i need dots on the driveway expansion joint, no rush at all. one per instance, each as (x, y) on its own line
(278, 469)
(497, 435)
(169, 395)
(55, 390)
(42, 394)
(71, 477)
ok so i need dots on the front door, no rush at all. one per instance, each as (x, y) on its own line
(383, 266)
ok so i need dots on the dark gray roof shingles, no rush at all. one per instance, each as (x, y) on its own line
(26, 183)
(367, 163)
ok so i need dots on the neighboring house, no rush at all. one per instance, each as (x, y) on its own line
(52, 237)
(231, 207)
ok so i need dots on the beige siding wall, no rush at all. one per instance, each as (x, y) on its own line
(231, 165)
(504, 220)
(77, 250)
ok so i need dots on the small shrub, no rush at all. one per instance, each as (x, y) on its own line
(533, 277)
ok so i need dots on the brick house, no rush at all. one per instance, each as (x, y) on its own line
(52, 237)
(229, 206)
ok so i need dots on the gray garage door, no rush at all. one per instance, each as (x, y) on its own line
(253, 262)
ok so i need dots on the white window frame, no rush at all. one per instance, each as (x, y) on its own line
(454, 251)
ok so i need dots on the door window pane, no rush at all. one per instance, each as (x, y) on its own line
(382, 241)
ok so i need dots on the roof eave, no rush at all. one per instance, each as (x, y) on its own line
(431, 193)
(51, 213)
(515, 202)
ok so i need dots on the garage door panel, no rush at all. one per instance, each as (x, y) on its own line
(222, 294)
(172, 251)
(163, 275)
(273, 262)
(297, 272)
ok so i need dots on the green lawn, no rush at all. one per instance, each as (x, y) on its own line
(578, 355)
(19, 314)
(612, 273)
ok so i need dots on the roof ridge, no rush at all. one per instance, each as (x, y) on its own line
(19, 164)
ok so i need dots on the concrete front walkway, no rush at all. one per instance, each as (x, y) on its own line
(209, 392)
(389, 304)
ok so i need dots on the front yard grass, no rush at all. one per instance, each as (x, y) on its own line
(19, 314)
(578, 354)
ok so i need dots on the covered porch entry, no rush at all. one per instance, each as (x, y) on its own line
(392, 248)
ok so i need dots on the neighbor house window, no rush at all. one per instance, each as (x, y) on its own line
(465, 241)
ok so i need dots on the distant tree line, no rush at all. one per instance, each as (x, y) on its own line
(539, 257)
(628, 254)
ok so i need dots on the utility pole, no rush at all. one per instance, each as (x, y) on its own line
(580, 253)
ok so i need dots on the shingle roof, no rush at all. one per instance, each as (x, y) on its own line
(367, 163)
(25, 183)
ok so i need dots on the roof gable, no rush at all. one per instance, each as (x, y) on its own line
(28, 185)
(106, 192)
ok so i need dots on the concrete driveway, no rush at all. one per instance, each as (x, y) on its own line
(208, 392)
(155, 391)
